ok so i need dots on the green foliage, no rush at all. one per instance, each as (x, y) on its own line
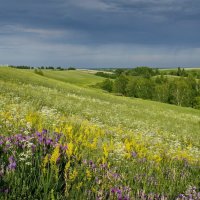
(161, 92)
(21, 67)
(118, 72)
(107, 85)
(140, 88)
(145, 72)
(71, 68)
(197, 102)
(39, 72)
(106, 75)
(148, 146)
(181, 72)
(120, 84)
(178, 91)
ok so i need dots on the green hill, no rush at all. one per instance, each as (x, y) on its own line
(94, 104)
(77, 77)
(166, 135)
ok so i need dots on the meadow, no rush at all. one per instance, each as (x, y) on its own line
(62, 138)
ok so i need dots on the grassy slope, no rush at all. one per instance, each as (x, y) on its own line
(77, 77)
(99, 107)
(175, 69)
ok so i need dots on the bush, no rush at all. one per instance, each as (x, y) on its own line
(71, 68)
(107, 85)
(39, 72)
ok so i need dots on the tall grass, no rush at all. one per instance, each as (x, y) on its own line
(61, 141)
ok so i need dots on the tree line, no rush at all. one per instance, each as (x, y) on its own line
(147, 83)
(42, 67)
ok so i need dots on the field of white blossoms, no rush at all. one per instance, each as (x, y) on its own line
(62, 141)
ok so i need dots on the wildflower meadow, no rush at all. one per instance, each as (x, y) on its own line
(50, 150)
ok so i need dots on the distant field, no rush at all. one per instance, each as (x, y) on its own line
(111, 144)
(77, 77)
(95, 104)
(175, 69)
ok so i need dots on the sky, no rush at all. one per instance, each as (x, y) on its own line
(100, 33)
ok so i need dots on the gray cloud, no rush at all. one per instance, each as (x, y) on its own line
(44, 31)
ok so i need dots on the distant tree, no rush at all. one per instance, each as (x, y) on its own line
(157, 72)
(39, 72)
(143, 71)
(59, 68)
(161, 79)
(106, 75)
(181, 72)
(178, 73)
(131, 88)
(71, 68)
(198, 87)
(197, 102)
(161, 92)
(107, 85)
(118, 72)
(180, 92)
(184, 73)
(140, 88)
(120, 84)
(145, 88)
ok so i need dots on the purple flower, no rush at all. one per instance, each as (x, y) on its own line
(38, 134)
(103, 166)
(134, 154)
(63, 148)
(49, 141)
(40, 139)
(119, 191)
(116, 176)
(6, 191)
(93, 166)
(90, 162)
(180, 195)
(44, 131)
(84, 161)
(33, 147)
(113, 190)
(57, 136)
(12, 163)
(126, 198)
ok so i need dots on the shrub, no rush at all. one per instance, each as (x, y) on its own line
(39, 72)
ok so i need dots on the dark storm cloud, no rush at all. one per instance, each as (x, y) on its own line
(91, 27)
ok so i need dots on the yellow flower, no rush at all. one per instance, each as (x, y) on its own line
(79, 185)
(67, 166)
(88, 174)
(127, 146)
(44, 163)
(105, 151)
(73, 175)
(157, 158)
(69, 149)
(55, 155)
(69, 131)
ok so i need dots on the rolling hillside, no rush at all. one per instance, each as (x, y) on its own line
(133, 136)
(96, 105)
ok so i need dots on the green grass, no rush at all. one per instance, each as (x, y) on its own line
(77, 77)
(168, 70)
(165, 138)
(98, 106)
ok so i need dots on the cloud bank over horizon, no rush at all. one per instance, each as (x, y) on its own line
(100, 33)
